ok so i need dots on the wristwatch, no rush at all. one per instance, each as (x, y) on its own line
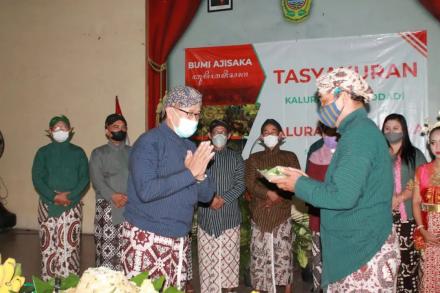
(201, 180)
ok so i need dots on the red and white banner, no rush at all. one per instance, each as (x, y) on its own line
(281, 76)
(225, 75)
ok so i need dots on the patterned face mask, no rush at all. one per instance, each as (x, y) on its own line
(329, 114)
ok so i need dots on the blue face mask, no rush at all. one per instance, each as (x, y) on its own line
(328, 114)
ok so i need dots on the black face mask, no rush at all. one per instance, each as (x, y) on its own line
(119, 135)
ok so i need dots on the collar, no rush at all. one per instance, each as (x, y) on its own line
(60, 144)
(167, 131)
(275, 149)
(116, 146)
(351, 118)
(222, 151)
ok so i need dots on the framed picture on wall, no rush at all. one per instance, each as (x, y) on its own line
(219, 5)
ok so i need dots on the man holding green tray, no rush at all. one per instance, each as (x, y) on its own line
(360, 249)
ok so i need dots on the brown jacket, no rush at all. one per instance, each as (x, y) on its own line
(268, 218)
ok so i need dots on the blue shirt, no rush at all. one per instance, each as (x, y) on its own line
(162, 192)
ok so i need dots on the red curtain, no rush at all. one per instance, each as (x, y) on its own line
(432, 6)
(167, 21)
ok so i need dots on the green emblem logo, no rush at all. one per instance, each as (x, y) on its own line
(296, 10)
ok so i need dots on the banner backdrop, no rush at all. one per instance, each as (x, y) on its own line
(280, 77)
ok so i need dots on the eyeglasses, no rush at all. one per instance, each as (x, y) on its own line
(189, 115)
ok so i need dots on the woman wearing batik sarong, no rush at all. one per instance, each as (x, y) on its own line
(167, 178)
(271, 242)
(60, 175)
(426, 207)
(109, 174)
(406, 158)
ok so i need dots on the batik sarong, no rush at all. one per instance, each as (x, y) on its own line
(59, 241)
(219, 260)
(408, 274)
(271, 257)
(160, 256)
(316, 261)
(379, 274)
(108, 237)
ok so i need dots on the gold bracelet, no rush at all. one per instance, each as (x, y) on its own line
(410, 185)
(420, 227)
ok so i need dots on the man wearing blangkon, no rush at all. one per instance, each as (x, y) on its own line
(167, 178)
(359, 247)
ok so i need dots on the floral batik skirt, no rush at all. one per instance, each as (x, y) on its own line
(160, 256)
(271, 257)
(431, 258)
(378, 275)
(59, 241)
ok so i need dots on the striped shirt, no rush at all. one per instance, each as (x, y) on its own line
(227, 170)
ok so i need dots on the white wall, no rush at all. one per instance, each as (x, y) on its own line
(70, 57)
(256, 21)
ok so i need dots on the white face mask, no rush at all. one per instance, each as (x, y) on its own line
(186, 127)
(270, 141)
(219, 140)
(60, 135)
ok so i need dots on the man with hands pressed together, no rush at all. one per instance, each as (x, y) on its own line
(167, 177)
(60, 175)
(360, 249)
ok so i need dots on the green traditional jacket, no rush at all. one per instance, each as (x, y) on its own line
(60, 167)
(355, 198)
